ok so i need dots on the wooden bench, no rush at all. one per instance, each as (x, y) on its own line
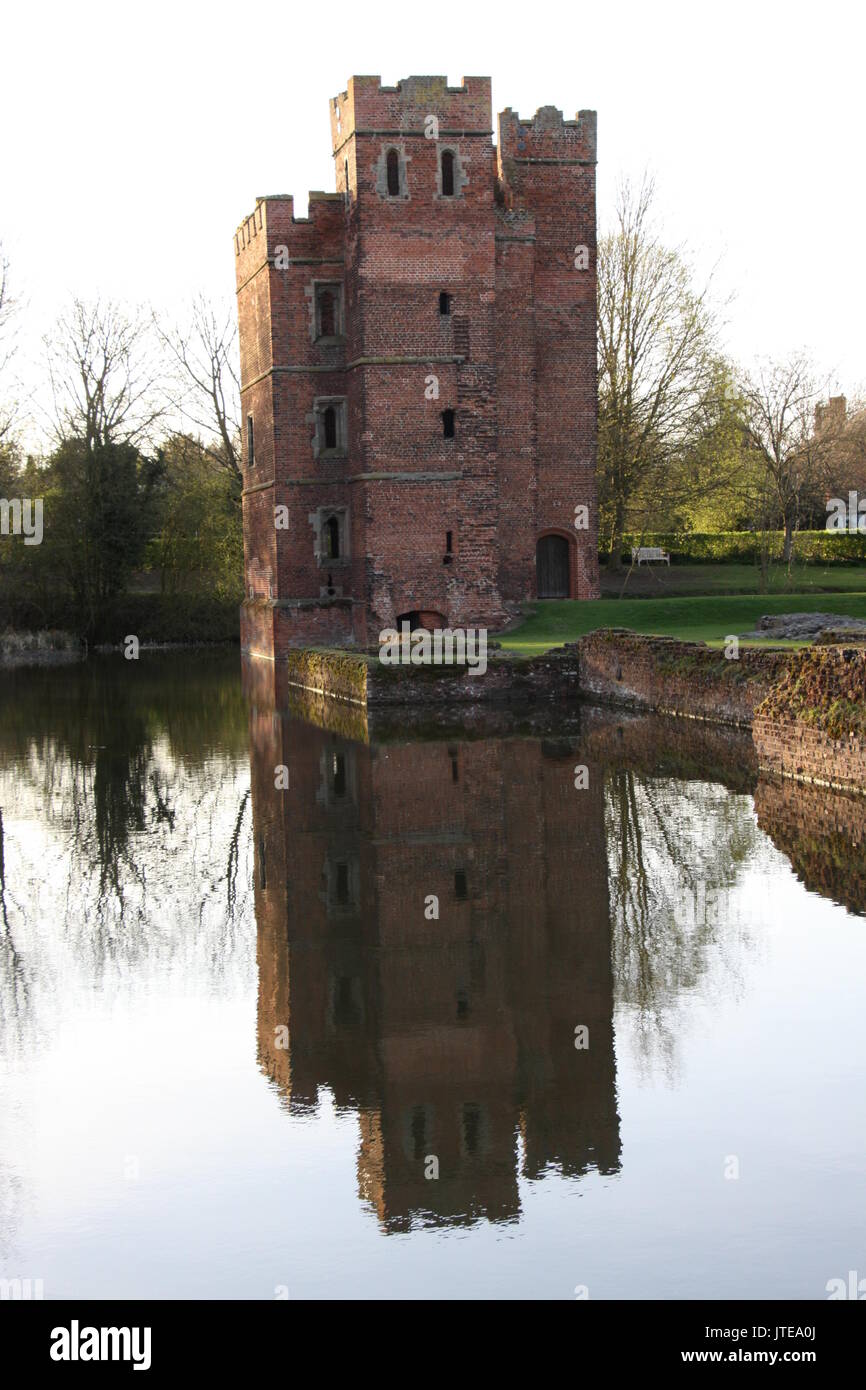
(645, 554)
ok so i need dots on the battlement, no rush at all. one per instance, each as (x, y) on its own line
(547, 137)
(366, 107)
(273, 222)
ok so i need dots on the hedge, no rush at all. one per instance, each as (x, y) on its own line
(702, 547)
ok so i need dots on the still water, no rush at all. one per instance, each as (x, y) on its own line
(562, 1002)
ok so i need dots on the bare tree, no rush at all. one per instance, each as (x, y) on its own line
(105, 379)
(205, 389)
(792, 449)
(657, 361)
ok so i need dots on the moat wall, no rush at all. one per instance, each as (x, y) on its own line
(805, 711)
(364, 680)
(683, 678)
(812, 724)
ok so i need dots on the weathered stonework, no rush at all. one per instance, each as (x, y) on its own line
(812, 725)
(480, 301)
(361, 679)
(684, 678)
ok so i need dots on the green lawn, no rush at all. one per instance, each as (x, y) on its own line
(679, 581)
(707, 618)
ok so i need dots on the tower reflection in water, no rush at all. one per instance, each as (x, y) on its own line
(453, 1038)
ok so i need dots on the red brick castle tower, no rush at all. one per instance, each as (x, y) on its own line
(418, 370)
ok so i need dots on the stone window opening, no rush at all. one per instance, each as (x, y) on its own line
(393, 173)
(251, 443)
(328, 312)
(448, 424)
(461, 891)
(331, 538)
(444, 304)
(331, 545)
(330, 427)
(447, 174)
(346, 178)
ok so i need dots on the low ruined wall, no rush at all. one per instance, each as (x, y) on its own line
(812, 724)
(337, 674)
(671, 677)
(806, 709)
(363, 679)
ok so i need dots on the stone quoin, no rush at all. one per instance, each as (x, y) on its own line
(418, 372)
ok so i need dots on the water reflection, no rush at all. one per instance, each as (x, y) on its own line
(426, 918)
(433, 926)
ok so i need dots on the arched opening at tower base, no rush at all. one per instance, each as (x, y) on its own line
(552, 567)
(421, 617)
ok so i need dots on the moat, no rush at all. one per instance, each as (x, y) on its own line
(553, 1002)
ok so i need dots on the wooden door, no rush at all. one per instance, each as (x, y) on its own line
(551, 566)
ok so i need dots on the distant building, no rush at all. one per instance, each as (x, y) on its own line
(418, 362)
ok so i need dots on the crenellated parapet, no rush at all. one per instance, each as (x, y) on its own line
(368, 108)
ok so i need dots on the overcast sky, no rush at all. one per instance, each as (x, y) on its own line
(135, 138)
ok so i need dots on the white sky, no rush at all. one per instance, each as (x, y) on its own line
(136, 138)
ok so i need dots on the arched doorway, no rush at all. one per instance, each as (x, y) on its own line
(551, 567)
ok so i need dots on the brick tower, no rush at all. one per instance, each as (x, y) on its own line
(419, 372)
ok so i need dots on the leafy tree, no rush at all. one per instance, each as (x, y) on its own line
(98, 515)
(198, 544)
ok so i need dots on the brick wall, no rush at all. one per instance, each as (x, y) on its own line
(686, 678)
(812, 725)
(363, 679)
(514, 359)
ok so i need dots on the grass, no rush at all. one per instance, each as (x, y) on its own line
(680, 581)
(705, 618)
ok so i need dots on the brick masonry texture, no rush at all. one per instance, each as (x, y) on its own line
(514, 358)
(812, 725)
(686, 678)
(365, 681)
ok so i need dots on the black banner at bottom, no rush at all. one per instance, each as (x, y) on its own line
(157, 1339)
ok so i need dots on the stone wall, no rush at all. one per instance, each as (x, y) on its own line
(812, 724)
(363, 679)
(684, 678)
